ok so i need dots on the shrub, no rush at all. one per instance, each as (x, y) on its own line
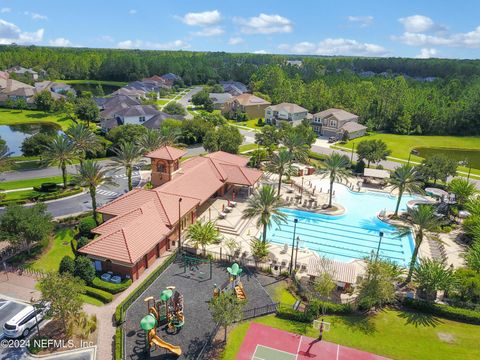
(111, 287)
(48, 187)
(174, 108)
(119, 343)
(360, 167)
(34, 346)
(315, 308)
(445, 311)
(67, 265)
(288, 313)
(86, 225)
(84, 269)
(101, 295)
(82, 242)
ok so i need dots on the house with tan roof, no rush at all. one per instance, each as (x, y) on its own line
(250, 104)
(337, 123)
(289, 112)
(142, 224)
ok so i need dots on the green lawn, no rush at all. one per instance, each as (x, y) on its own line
(162, 101)
(401, 145)
(252, 124)
(20, 184)
(91, 300)
(247, 147)
(58, 248)
(94, 82)
(21, 195)
(17, 117)
(395, 334)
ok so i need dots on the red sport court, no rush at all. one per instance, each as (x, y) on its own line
(266, 343)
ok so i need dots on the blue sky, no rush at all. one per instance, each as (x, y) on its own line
(407, 28)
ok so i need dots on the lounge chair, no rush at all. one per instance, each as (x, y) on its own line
(222, 215)
(233, 203)
(227, 209)
(285, 249)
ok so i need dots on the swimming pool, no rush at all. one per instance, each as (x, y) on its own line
(353, 235)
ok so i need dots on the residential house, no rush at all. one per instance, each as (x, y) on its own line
(4, 75)
(143, 224)
(297, 63)
(220, 99)
(13, 90)
(234, 88)
(170, 79)
(23, 72)
(292, 113)
(251, 105)
(337, 123)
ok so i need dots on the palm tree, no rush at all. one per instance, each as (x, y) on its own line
(265, 205)
(152, 139)
(83, 139)
(406, 179)
(203, 234)
(463, 190)
(127, 155)
(91, 174)
(60, 151)
(422, 218)
(296, 146)
(336, 168)
(280, 164)
(4, 152)
(432, 276)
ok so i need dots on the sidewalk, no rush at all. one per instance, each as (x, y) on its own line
(21, 287)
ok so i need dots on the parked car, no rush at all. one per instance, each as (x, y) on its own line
(22, 323)
(332, 139)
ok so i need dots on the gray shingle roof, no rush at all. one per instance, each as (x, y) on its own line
(353, 126)
(338, 114)
(288, 107)
(138, 110)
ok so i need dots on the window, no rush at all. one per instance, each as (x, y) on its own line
(161, 168)
(333, 123)
(142, 118)
(317, 120)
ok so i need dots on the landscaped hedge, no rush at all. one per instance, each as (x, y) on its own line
(101, 295)
(316, 156)
(119, 343)
(445, 311)
(110, 287)
(43, 197)
(313, 311)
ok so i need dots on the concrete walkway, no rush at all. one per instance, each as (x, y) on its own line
(105, 314)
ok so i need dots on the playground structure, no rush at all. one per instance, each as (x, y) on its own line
(234, 283)
(167, 310)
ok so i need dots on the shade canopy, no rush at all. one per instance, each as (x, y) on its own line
(148, 322)
(166, 294)
(234, 270)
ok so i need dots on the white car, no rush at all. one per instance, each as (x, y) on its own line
(22, 323)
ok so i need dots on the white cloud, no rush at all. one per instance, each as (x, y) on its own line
(106, 38)
(337, 46)
(210, 31)
(362, 21)
(132, 11)
(140, 44)
(427, 53)
(5, 10)
(11, 33)
(61, 42)
(417, 23)
(260, 52)
(235, 40)
(35, 16)
(469, 39)
(265, 24)
(202, 18)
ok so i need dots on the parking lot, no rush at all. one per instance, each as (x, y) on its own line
(8, 309)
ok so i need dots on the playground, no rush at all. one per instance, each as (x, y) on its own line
(266, 343)
(171, 319)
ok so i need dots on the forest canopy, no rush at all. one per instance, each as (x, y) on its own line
(397, 95)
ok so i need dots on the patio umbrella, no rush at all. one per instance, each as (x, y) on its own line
(166, 294)
(148, 322)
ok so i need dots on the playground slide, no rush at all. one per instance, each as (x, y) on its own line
(163, 344)
(240, 293)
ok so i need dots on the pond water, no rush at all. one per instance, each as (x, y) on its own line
(15, 134)
(471, 156)
(94, 88)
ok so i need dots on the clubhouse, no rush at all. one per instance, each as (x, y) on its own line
(142, 224)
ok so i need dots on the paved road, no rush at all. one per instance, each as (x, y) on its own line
(185, 99)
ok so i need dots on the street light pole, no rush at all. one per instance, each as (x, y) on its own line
(296, 252)
(379, 244)
(179, 225)
(351, 156)
(293, 244)
(301, 191)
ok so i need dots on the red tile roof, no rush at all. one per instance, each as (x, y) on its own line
(167, 153)
(132, 240)
(144, 217)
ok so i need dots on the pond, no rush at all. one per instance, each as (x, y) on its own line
(95, 89)
(15, 134)
(471, 156)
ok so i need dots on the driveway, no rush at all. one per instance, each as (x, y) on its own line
(184, 100)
